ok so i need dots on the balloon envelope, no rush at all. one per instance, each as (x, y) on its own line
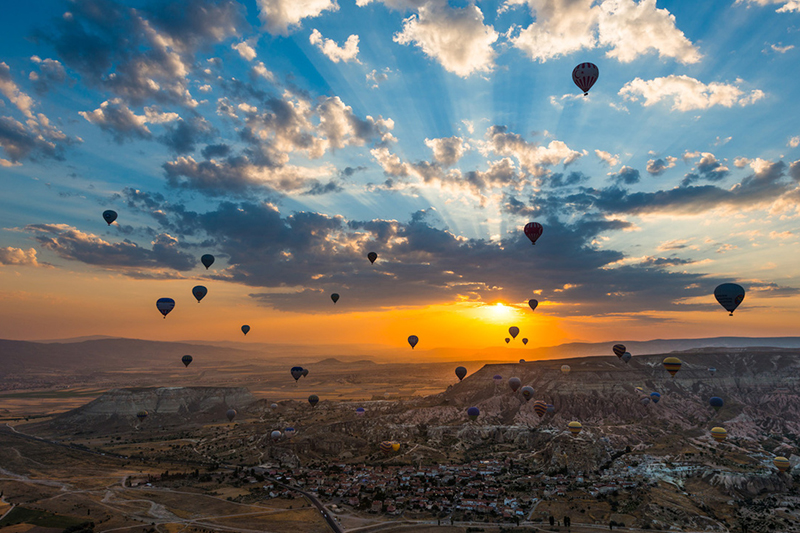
(508, 340)
(165, 305)
(656, 397)
(729, 296)
(199, 292)
(360, 411)
(644, 400)
(540, 408)
(395, 445)
(565, 369)
(473, 413)
(186, 360)
(289, 432)
(109, 216)
(231, 414)
(275, 435)
(533, 303)
(372, 256)
(513, 331)
(305, 372)
(141, 415)
(716, 402)
(782, 463)
(207, 260)
(313, 400)
(712, 370)
(297, 372)
(461, 372)
(619, 349)
(533, 230)
(522, 360)
(273, 406)
(525, 341)
(514, 383)
(527, 392)
(413, 340)
(672, 365)
(575, 427)
(386, 446)
(497, 378)
(626, 357)
(335, 297)
(245, 329)
(551, 408)
(719, 434)
(584, 75)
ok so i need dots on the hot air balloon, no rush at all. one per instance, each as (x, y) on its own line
(395, 446)
(165, 305)
(626, 357)
(186, 360)
(656, 397)
(273, 406)
(231, 414)
(575, 428)
(640, 390)
(386, 447)
(513, 331)
(413, 340)
(313, 400)
(533, 303)
(199, 292)
(245, 329)
(540, 408)
(497, 379)
(719, 434)
(644, 400)
(514, 383)
(672, 365)
(109, 216)
(565, 369)
(782, 464)
(522, 360)
(527, 392)
(524, 341)
(619, 349)
(297, 372)
(372, 256)
(289, 432)
(335, 297)
(276, 435)
(461, 372)
(584, 76)
(729, 296)
(716, 402)
(141, 415)
(207, 260)
(508, 340)
(305, 372)
(473, 413)
(551, 408)
(712, 370)
(533, 230)
(360, 411)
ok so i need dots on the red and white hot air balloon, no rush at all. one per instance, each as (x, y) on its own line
(584, 76)
(533, 230)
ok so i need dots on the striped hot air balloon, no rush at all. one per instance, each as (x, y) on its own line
(141, 415)
(540, 408)
(782, 463)
(719, 434)
(575, 428)
(386, 447)
(619, 349)
(584, 75)
(672, 365)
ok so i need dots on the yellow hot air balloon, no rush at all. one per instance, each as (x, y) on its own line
(719, 434)
(565, 369)
(575, 428)
(395, 446)
(782, 463)
(672, 365)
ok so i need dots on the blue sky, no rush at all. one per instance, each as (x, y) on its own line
(291, 137)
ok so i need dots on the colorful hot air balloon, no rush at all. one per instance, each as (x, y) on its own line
(540, 408)
(109, 216)
(413, 340)
(626, 357)
(640, 390)
(165, 305)
(565, 369)
(527, 392)
(186, 360)
(231, 414)
(276, 435)
(551, 408)
(716, 402)
(514, 383)
(297, 372)
(497, 379)
(533, 230)
(289, 432)
(313, 400)
(719, 434)
(729, 296)
(782, 464)
(644, 400)
(584, 76)
(141, 415)
(524, 341)
(508, 340)
(245, 329)
(619, 349)
(575, 428)
(672, 365)
(395, 446)
(712, 370)
(473, 413)
(199, 292)
(461, 372)
(372, 256)
(360, 411)
(513, 331)
(386, 447)
(656, 397)
(533, 303)
(207, 260)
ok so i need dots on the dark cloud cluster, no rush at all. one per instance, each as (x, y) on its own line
(51, 74)
(34, 140)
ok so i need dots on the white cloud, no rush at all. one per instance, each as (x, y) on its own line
(279, 16)
(607, 158)
(245, 49)
(456, 38)
(656, 167)
(780, 49)
(741, 162)
(794, 142)
(18, 256)
(447, 150)
(10, 90)
(722, 141)
(688, 93)
(375, 78)
(533, 158)
(333, 51)
(787, 7)
(116, 117)
(261, 70)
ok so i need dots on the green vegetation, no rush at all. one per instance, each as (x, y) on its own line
(23, 515)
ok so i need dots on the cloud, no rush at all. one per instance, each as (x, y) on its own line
(280, 17)
(630, 29)
(18, 257)
(36, 139)
(334, 52)
(448, 150)
(787, 6)
(779, 49)
(455, 37)
(607, 158)
(626, 175)
(675, 244)
(246, 49)
(793, 142)
(656, 167)
(10, 90)
(687, 93)
(375, 78)
(182, 135)
(51, 73)
(534, 159)
(116, 118)
(709, 168)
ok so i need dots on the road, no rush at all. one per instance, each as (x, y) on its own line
(334, 525)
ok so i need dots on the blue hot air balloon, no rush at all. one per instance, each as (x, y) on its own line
(199, 292)
(473, 413)
(716, 402)
(655, 397)
(360, 411)
(165, 305)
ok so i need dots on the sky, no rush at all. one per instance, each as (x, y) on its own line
(289, 138)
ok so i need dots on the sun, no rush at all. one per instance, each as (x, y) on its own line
(498, 313)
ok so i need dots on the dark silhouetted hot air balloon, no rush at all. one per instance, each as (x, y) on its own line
(533, 303)
(540, 408)
(513, 331)
(473, 413)
(584, 76)
(207, 260)
(522, 360)
(716, 402)
(461, 372)
(782, 464)
(413, 340)
(656, 397)
(186, 360)
(313, 400)
(524, 341)
(626, 357)
(297, 372)
(109, 216)
(231, 414)
(575, 428)
(305, 372)
(245, 329)
(619, 349)
(533, 230)
(514, 383)
(335, 297)
(719, 434)
(165, 305)
(672, 365)
(497, 379)
(507, 340)
(199, 292)
(729, 296)
(527, 392)
(372, 256)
